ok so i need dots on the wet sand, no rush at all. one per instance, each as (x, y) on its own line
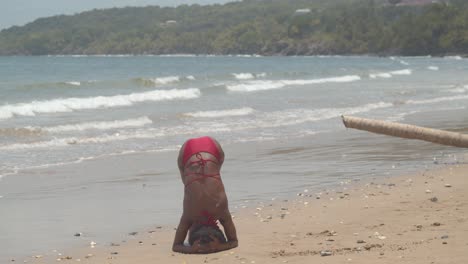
(418, 218)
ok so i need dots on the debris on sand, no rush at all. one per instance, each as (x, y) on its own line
(326, 253)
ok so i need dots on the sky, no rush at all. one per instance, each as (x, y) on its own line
(20, 12)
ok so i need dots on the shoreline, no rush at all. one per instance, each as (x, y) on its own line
(189, 55)
(411, 218)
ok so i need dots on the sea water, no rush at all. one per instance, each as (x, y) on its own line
(85, 135)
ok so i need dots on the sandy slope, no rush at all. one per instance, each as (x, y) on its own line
(390, 221)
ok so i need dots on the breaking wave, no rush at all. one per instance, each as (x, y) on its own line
(222, 113)
(262, 120)
(463, 89)
(105, 125)
(75, 104)
(453, 57)
(243, 76)
(74, 83)
(253, 86)
(438, 99)
(158, 81)
(390, 74)
(248, 76)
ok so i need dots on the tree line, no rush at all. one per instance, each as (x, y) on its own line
(266, 27)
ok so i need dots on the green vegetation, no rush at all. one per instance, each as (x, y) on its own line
(266, 27)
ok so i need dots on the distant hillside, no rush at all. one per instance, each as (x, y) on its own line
(268, 27)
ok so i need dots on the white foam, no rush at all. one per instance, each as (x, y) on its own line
(222, 113)
(180, 55)
(380, 75)
(402, 116)
(438, 99)
(76, 104)
(253, 86)
(433, 68)
(165, 80)
(404, 62)
(402, 72)
(298, 116)
(243, 76)
(65, 142)
(73, 83)
(390, 74)
(106, 138)
(453, 57)
(399, 60)
(458, 90)
(61, 142)
(137, 122)
(282, 118)
(191, 77)
(258, 85)
(248, 55)
(463, 89)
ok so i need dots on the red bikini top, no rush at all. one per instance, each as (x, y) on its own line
(201, 144)
(194, 147)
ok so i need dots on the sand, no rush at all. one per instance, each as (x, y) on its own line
(420, 218)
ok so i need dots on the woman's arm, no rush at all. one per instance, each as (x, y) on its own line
(181, 233)
(229, 230)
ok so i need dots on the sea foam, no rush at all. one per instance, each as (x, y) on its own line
(453, 57)
(438, 99)
(243, 76)
(75, 104)
(74, 83)
(222, 113)
(158, 81)
(291, 117)
(253, 86)
(166, 80)
(288, 117)
(463, 89)
(105, 125)
(390, 74)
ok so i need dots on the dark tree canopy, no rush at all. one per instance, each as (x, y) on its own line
(268, 27)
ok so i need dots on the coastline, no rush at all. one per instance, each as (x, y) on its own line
(415, 218)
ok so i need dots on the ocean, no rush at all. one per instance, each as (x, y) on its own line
(88, 143)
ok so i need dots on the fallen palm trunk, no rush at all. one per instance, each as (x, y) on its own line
(407, 131)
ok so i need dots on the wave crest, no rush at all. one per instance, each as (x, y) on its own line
(105, 125)
(76, 104)
(222, 113)
(253, 86)
(390, 74)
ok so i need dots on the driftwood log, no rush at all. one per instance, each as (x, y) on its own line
(407, 131)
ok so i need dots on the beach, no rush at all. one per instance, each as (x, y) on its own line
(413, 218)
(89, 148)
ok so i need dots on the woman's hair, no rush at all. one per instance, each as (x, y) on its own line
(203, 234)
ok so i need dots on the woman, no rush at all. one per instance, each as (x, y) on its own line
(205, 201)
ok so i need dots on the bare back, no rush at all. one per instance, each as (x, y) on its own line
(205, 200)
(202, 192)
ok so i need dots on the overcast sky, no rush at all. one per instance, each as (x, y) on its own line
(20, 12)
